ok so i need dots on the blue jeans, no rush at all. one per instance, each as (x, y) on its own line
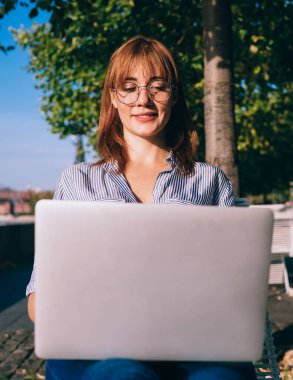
(124, 369)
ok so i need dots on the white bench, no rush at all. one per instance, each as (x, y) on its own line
(282, 244)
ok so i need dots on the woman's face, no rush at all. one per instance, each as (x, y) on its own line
(146, 117)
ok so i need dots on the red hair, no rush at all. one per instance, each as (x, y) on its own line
(180, 135)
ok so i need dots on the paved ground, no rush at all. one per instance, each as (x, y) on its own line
(15, 318)
(17, 360)
(280, 307)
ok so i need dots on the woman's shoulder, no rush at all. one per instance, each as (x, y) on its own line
(211, 174)
(75, 180)
(82, 168)
(205, 166)
(207, 169)
(213, 177)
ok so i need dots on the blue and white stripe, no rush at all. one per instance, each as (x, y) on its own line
(101, 183)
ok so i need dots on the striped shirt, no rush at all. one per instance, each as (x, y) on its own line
(101, 183)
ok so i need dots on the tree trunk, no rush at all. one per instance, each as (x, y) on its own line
(218, 89)
(79, 154)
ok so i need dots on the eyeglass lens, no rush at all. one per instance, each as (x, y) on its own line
(159, 90)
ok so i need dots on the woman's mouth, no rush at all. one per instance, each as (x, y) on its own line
(146, 116)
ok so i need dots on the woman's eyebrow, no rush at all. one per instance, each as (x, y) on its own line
(151, 79)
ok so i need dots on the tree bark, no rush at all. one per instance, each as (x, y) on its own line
(218, 89)
(79, 153)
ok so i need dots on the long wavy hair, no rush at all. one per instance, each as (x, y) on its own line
(157, 60)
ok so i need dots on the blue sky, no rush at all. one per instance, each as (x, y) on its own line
(30, 155)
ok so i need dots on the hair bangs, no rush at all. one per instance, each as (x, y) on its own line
(153, 62)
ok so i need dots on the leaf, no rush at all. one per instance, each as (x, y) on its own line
(253, 49)
(33, 12)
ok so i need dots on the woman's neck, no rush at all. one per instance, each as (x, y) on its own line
(147, 152)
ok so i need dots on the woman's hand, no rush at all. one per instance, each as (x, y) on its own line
(31, 306)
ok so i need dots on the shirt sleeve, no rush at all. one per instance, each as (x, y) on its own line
(58, 195)
(59, 192)
(223, 193)
(31, 285)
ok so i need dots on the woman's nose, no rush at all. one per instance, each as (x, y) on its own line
(143, 96)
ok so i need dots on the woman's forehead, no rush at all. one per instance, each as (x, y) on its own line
(142, 75)
(136, 69)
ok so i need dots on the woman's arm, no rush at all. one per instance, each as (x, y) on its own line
(31, 306)
(58, 195)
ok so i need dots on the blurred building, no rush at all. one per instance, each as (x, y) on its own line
(15, 202)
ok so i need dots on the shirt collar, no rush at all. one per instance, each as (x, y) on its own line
(171, 159)
(111, 166)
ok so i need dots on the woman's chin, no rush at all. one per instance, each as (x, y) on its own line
(148, 133)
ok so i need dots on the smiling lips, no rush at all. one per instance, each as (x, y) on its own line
(145, 116)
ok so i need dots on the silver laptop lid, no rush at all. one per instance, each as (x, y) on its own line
(150, 282)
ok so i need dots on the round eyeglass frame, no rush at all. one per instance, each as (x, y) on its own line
(152, 96)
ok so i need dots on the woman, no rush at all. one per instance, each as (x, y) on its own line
(147, 147)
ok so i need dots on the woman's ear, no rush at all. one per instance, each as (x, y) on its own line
(113, 99)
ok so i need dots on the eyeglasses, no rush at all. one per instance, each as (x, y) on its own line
(159, 90)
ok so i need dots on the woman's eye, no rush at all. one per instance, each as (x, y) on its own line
(160, 86)
(128, 88)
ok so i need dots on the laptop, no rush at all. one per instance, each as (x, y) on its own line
(164, 282)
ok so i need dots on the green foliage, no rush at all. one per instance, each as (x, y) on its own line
(70, 54)
(264, 102)
(69, 58)
(7, 6)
